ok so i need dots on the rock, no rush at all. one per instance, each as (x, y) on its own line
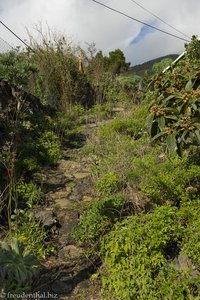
(70, 252)
(60, 194)
(183, 263)
(47, 218)
(117, 109)
(63, 203)
(82, 175)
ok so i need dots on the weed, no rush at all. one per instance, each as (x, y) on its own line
(98, 220)
(29, 194)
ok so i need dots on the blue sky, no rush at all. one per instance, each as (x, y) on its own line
(144, 31)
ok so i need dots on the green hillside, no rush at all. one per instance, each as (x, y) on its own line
(147, 66)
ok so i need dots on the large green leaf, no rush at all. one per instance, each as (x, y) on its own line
(161, 123)
(171, 142)
(189, 85)
(158, 135)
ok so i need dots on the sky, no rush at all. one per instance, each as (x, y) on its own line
(85, 21)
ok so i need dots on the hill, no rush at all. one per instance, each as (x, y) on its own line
(147, 66)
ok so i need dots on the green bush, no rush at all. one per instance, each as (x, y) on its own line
(108, 184)
(115, 94)
(98, 112)
(98, 220)
(175, 109)
(30, 164)
(32, 235)
(29, 194)
(129, 82)
(59, 82)
(16, 68)
(139, 259)
(18, 267)
(111, 153)
(189, 218)
(165, 179)
(49, 148)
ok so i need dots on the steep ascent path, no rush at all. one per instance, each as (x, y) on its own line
(69, 187)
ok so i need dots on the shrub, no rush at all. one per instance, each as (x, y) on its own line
(16, 68)
(59, 82)
(164, 179)
(98, 112)
(49, 148)
(108, 184)
(175, 109)
(98, 220)
(111, 153)
(189, 218)
(129, 82)
(133, 124)
(138, 257)
(32, 235)
(29, 194)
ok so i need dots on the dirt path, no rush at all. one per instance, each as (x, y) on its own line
(68, 187)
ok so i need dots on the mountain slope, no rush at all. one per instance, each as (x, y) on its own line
(147, 66)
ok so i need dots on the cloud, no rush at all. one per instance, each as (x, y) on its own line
(85, 21)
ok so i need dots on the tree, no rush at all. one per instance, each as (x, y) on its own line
(117, 62)
(16, 68)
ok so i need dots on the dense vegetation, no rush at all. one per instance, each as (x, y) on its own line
(144, 221)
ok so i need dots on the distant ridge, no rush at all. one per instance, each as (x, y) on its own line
(147, 66)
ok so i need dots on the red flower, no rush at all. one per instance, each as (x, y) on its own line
(7, 172)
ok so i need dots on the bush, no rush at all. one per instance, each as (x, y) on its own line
(59, 82)
(189, 218)
(49, 148)
(32, 235)
(108, 184)
(16, 68)
(165, 179)
(175, 109)
(98, 220)
(29, 194)
(133, 124)
(139, 259)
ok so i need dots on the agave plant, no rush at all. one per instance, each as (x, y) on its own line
(17, 267)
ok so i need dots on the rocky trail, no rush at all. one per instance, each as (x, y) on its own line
(69, 187)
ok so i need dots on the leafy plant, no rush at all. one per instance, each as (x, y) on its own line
(98, 220)
(108, 184)
(32, 235)
(16, 68)
(18, 267)
(49, 148)
(175, 109)
(189, 214)
(165, 179)
(139, 259)
(29, 194)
